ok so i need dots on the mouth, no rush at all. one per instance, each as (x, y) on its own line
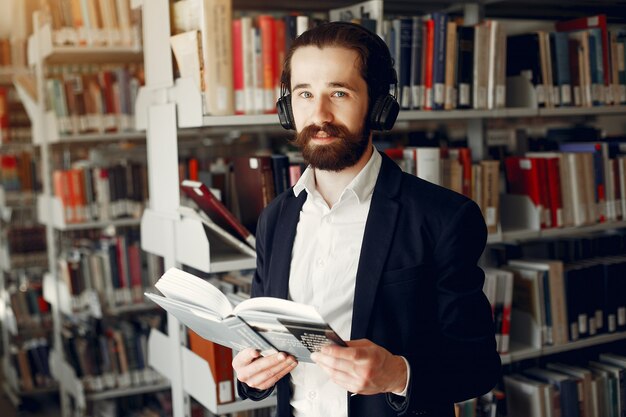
(322, 137)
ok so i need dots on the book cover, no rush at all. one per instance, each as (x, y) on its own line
(217, 211)
(465, 66)
(219, 359)
(254, 187)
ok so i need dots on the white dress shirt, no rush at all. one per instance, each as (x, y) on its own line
(323, 271)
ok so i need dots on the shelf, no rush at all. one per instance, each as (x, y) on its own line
(523, 235)
(193, 247)
(53, 54)
(131, 308)
(198, 380)
(583, 111)
(50, 212)
(7, 74)
(421, 115)
(101, 137)
(520, 352)
(127, 392)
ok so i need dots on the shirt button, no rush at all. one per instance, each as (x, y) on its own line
(320, 262)
(312, 395)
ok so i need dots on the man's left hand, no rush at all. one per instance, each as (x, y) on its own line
(363, 367)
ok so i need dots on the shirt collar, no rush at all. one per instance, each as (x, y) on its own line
(362, 185)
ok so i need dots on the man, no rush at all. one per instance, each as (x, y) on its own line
(389, 260)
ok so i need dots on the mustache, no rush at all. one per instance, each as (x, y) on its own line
(330, 129)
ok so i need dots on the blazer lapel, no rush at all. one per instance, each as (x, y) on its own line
(379, 231)
(284, 236)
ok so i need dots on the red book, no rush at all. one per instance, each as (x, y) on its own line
(522, 175)
(107, 79)
(219, 359)
(280, 33)
(122, 261)
(295, 172)
(214, 208)
(134, 267)
(464, 156)
(4, 116)
(544, 192)
(238, 84)
(268, 42)
(193, 169)
(554, 189)
(583, 23)
(428, 63)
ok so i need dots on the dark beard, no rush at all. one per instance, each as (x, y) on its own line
(345, 151)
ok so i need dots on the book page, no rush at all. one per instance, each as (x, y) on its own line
(288, 309)
(202, 321)
(182, 286)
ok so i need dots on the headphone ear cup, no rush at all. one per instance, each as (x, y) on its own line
(285, 115)
(384, 113)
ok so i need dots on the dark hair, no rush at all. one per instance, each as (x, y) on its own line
(375, 62)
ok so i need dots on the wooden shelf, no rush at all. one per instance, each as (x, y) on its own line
(93, 54)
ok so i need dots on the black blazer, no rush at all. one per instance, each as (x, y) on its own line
(418, 292)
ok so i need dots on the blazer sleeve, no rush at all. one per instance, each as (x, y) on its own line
(246, 392)
(463, 363)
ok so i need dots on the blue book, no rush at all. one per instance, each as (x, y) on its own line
(439, 60)
(559, 49)
(417, 87)
(595, 66)
(404, 77)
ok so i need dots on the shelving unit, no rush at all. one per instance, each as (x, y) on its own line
(41, 53)
(170, 109)
(15, 208)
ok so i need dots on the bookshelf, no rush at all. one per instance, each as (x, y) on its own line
(78, 391)
(168, 109)
(22, 259)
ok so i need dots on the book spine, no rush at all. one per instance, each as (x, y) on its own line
(238, 68)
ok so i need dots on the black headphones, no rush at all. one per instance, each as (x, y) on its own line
(384, 110)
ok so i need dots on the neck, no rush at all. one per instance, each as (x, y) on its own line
(330, 184)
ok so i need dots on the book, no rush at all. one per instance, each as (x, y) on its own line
(264, 323)
(371, 10)
(219, 359)
(214, 208)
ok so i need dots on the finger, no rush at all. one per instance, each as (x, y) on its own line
(262, 364)
(268, 377)
(245, 357)
(340, 352)
(332, 362)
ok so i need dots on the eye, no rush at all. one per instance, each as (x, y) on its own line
(305, 94)
(339, 94)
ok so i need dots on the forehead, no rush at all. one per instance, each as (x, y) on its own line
(330, 63)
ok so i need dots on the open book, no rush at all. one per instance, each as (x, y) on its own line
(264, 323)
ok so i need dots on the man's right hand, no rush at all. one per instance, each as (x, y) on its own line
(261, 372)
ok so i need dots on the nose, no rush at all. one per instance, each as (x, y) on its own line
(322, 112)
